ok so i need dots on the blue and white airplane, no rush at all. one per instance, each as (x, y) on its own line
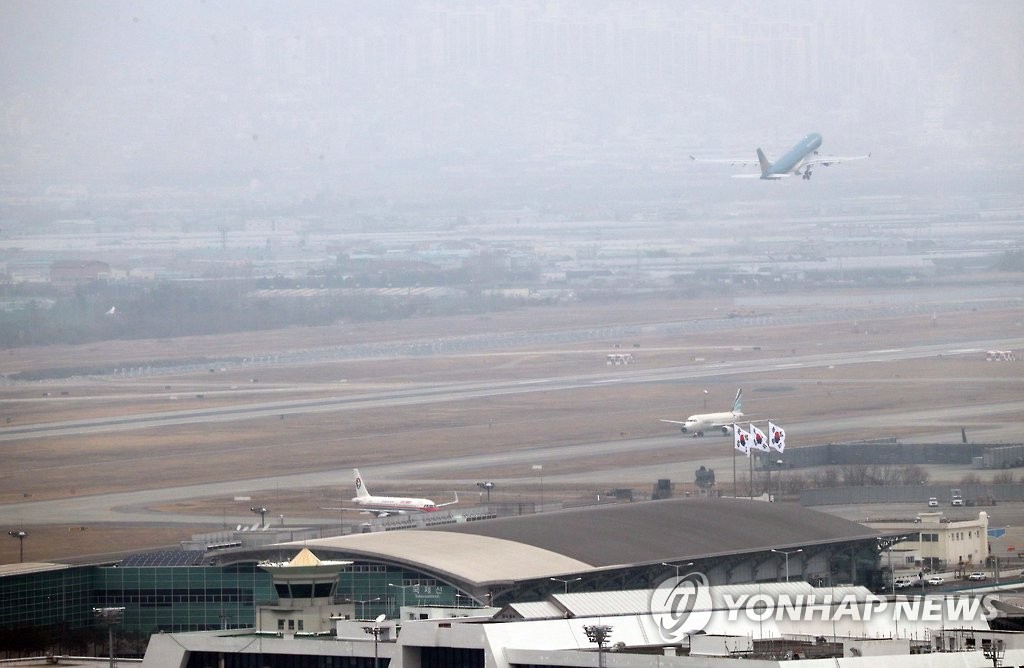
(798, 160)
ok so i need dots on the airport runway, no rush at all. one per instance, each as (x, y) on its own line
(130, 507)
(444, 393)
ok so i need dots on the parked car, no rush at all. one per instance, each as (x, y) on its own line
(933, 502)
(903, 583)
(935, 580)
(977, 575)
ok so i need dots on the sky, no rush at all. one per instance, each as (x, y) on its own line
(391, 95)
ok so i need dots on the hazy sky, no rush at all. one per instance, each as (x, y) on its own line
(405, 91)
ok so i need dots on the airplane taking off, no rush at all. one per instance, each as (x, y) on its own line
(798, 160)
(382, 506)
(698, 424)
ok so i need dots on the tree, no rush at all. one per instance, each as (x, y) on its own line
(1003, 478)
(705, 478)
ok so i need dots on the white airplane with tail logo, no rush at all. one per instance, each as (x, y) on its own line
(702, 422)
(382, 506)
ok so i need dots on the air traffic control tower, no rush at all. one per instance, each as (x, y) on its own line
(305, 591)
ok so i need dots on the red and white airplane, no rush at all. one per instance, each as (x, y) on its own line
(382, 506)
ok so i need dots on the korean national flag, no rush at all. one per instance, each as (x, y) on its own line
(776, 437)
(759, 440)
(740, 439)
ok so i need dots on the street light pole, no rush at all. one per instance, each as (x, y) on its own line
(486, 486)
(677, 567)
(375, 631)
(362, 610)
(566, 582)
(786, 554)
(262, 512)
(540, 469)
(20, 535)
(403, 588)
(110, 616)
(889, 544)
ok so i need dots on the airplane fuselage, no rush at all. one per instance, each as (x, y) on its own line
(395, 504)
(793, 159)
(698, 424)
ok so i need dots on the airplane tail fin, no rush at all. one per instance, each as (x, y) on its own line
(763, 161)
(361, 491)
(737, 403)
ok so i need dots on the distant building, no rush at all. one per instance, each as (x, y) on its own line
(69, 273)
(939, 543)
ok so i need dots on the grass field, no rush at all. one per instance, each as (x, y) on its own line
(132, 459)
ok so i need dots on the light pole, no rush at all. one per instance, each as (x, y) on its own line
(403, 588)
(598, 633)
(888, 544)
(109, 616)
(362, 610)
(786, 554)
(375, 631)
(566, 582)
(993, 649)
(677, 567)
(262, 512)
(487, 486)
(20, 535)
(540, 469)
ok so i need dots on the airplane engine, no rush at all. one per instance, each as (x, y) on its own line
(726, 430)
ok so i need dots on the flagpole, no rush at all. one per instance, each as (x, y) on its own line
(734, 466)
(750, 482)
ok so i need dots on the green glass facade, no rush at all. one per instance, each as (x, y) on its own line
(185, 598)
(56, 598)
(196, 598)
(169, 599)
(376, 589)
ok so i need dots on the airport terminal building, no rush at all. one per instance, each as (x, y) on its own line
(485, 563)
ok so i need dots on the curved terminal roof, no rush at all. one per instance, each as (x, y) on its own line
(465, 557)
(577, 540)
(670, 529)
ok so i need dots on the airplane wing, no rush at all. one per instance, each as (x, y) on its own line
(737, 162)
(368, 511)
(673, 421)
(771, 177)
(724, 427)
(826, 160)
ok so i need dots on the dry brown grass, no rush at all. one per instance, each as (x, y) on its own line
(256, 447)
